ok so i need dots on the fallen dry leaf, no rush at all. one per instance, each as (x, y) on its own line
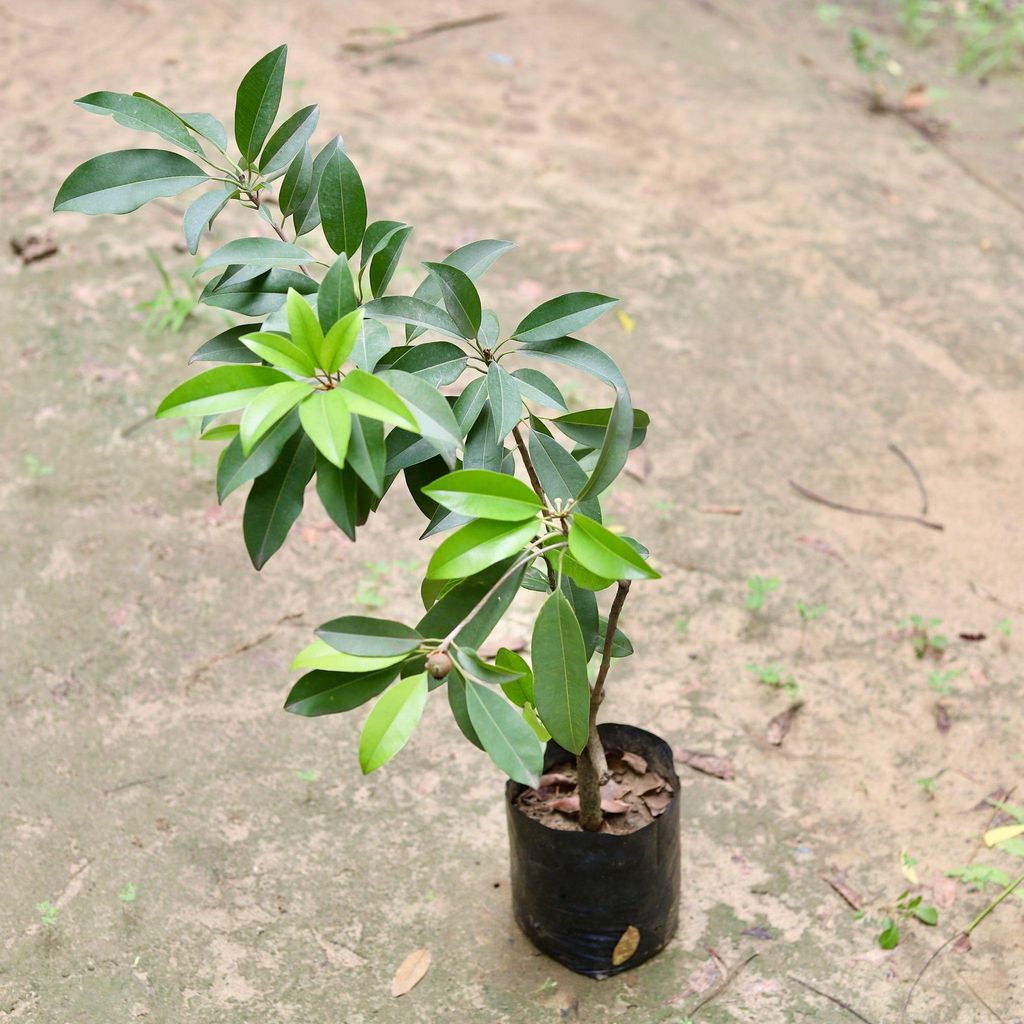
(658, 802)
(942, 719)
(703, 978)
(962, 944)
(626, 946)
(571, 805)
(822, 547)
(838, 882)
(635, 761)
(997, 796)
(709, 764)
(916, 98)
(556, 780)
(34, 247)
(411, 972)
(647, 783)
(943, 891)
(720, 510)
(778, 728)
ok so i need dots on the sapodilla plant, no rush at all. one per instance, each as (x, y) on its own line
(313, 384)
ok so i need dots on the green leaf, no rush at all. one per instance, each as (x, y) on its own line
(600, 551)
(472, 259)
(374, 397)
(532, 719)
(297, 179)
(584, 606)
(276, 498)
(288, 141)
(580, 356)
(508, 740)
(485, 495)
(320, 654)
(559, 317)
(519, 691)
(456, 687)
(376, 238)
(472, 665)
(614, 448)
(200, 216)
(255, 296)
(927, 915)
(327, 420)
(257, 101)
(372, 342)
(559, 473)
(589, 426)
(341, 340)
(622, 646)
(413, 311)
(489, 329)
(581, 576)
(307, 215)
(469, 404)
(366, 637)
(342, 203)
(337, 295)
(141, 114)
(221, 432)
(304, 328)
(338, 490)
(280, 351)
(890, 936)
(560, 673)
(482, 451)
(479, 544)
(263, 253)
(236, 468)
(385, 263)
(506, 401)
(227, 347)
(392, 721)
(122, 182)
(433, 415)
(267, 408)
(437, 362)
(539, 387)
(328, 693)
(460, 297)
(366, 452)
(222, 389)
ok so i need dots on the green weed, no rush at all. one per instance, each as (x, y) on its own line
(905, 909)
(923, 640)
(771, 675)
(758, 590)
(172, 304)
(48, 913)
(36, 469)
(941, 682)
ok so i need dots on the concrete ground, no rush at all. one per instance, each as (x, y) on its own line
(807, 281)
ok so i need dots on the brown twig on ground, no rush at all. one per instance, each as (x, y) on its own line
(977, 995)
(832, 999)
(242, 648)
(854, 510)
(905, 459)
(731, 975)
(423, 33)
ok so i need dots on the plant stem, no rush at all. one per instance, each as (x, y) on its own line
(531, 471)
(592, 765)
(995, 903)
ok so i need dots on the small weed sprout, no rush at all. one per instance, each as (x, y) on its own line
(920, 18)
(170, 307)
(923, 640)
(129, 893)
(308, 774)
(810, 612)
(906, 908)
(927, 784)
(1005, 627)
(36, 469)
(941, 682)
(48, 913)
(771, 675)
(758, 590)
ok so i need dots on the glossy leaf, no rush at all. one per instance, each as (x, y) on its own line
(614, 448)
(122, 182)
(519, 691)
(385, 263)
(304, 328)
(320, 654)
(328, 693)
(563, 315)
(433, 415)
(307, 214)
(263, 253)
(221, 432)
(374, 397)
(460, 297)
(479, 544)
(338, 490)
(600, 551)
(366, 637)
(143, 115)
(342, 204)
(469, 403)
(200, 215)
(296, 182)
(584, 608)
(437, 362)
(482, 451)
(392, 721)
(622, 646)
(456, 687)
(472, 665)
(227, 347)
(532, 719)
(580, 356)
(267, 408)
(208, 127)
(288, 141)
(236, 468)
(276, 499)
(505, 400)
(375, 240)
(326, 419)
(510, 742)
(539, 387)
(340, 341)
(280, 352)
(366, 452)
(257, 102)
(222, 389)
(337, 295)
(413, 311)
(372, 342)
(485, 495)
(256, 296)
(560, 680)
(589, 426)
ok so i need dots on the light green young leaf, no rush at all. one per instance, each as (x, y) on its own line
(320, 654)
(327, 420)
(600, 551)
(372, 396)
(304, 328)
(341, 340)
(479, 544)
(267, 408)
(485, 495)
(392, 721)
(222, 389)
(281, 352)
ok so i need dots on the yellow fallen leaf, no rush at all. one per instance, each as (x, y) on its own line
(626, 946)
(907, 867)
(995, 836)
(627, 322)
(411, 972)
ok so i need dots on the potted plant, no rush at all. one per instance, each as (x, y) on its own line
(313, 384)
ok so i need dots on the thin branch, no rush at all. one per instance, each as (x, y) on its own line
(921, 489)
(424, 33)
(729, 978)
(853, 510)
(832, 999)
(531, 472)
(977, 995)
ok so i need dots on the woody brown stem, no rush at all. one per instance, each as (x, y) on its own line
(531, 472)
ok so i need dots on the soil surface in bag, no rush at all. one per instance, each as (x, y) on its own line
(633, 796)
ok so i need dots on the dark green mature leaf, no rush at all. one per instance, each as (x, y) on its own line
(200, 216)
(472, 259)
(584, 607)
(226, 348)
(338, 490)
(614, 448)
(208, 127)
(236, 468)
(421, 475)
(143, 115)
(367, 637)
(276, 499)
(437, 362)
(539, 387)
(580, 356)
(307, 215)
(327, 693)
(288, 141)
(414, 311)
(460, 297)
(457, 702)
(560, 680)
(392, 721)
(469, 403)
(482, 451)
(376, 238)
(385, 263)
(256, 296)
(475, 667)
(337, 294)
(508, 740)
(222, 389)
(505, 400)
(404, 449)
(366, 452)
(296, 182)
(262, 253)
(122, 182)
(560, 474)
(600, 551)
(589, 426)
(622, 646)
(563, 315)
(485, 495)
(479, 544)
(342, 202)
(430, 409)
(257, 101)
